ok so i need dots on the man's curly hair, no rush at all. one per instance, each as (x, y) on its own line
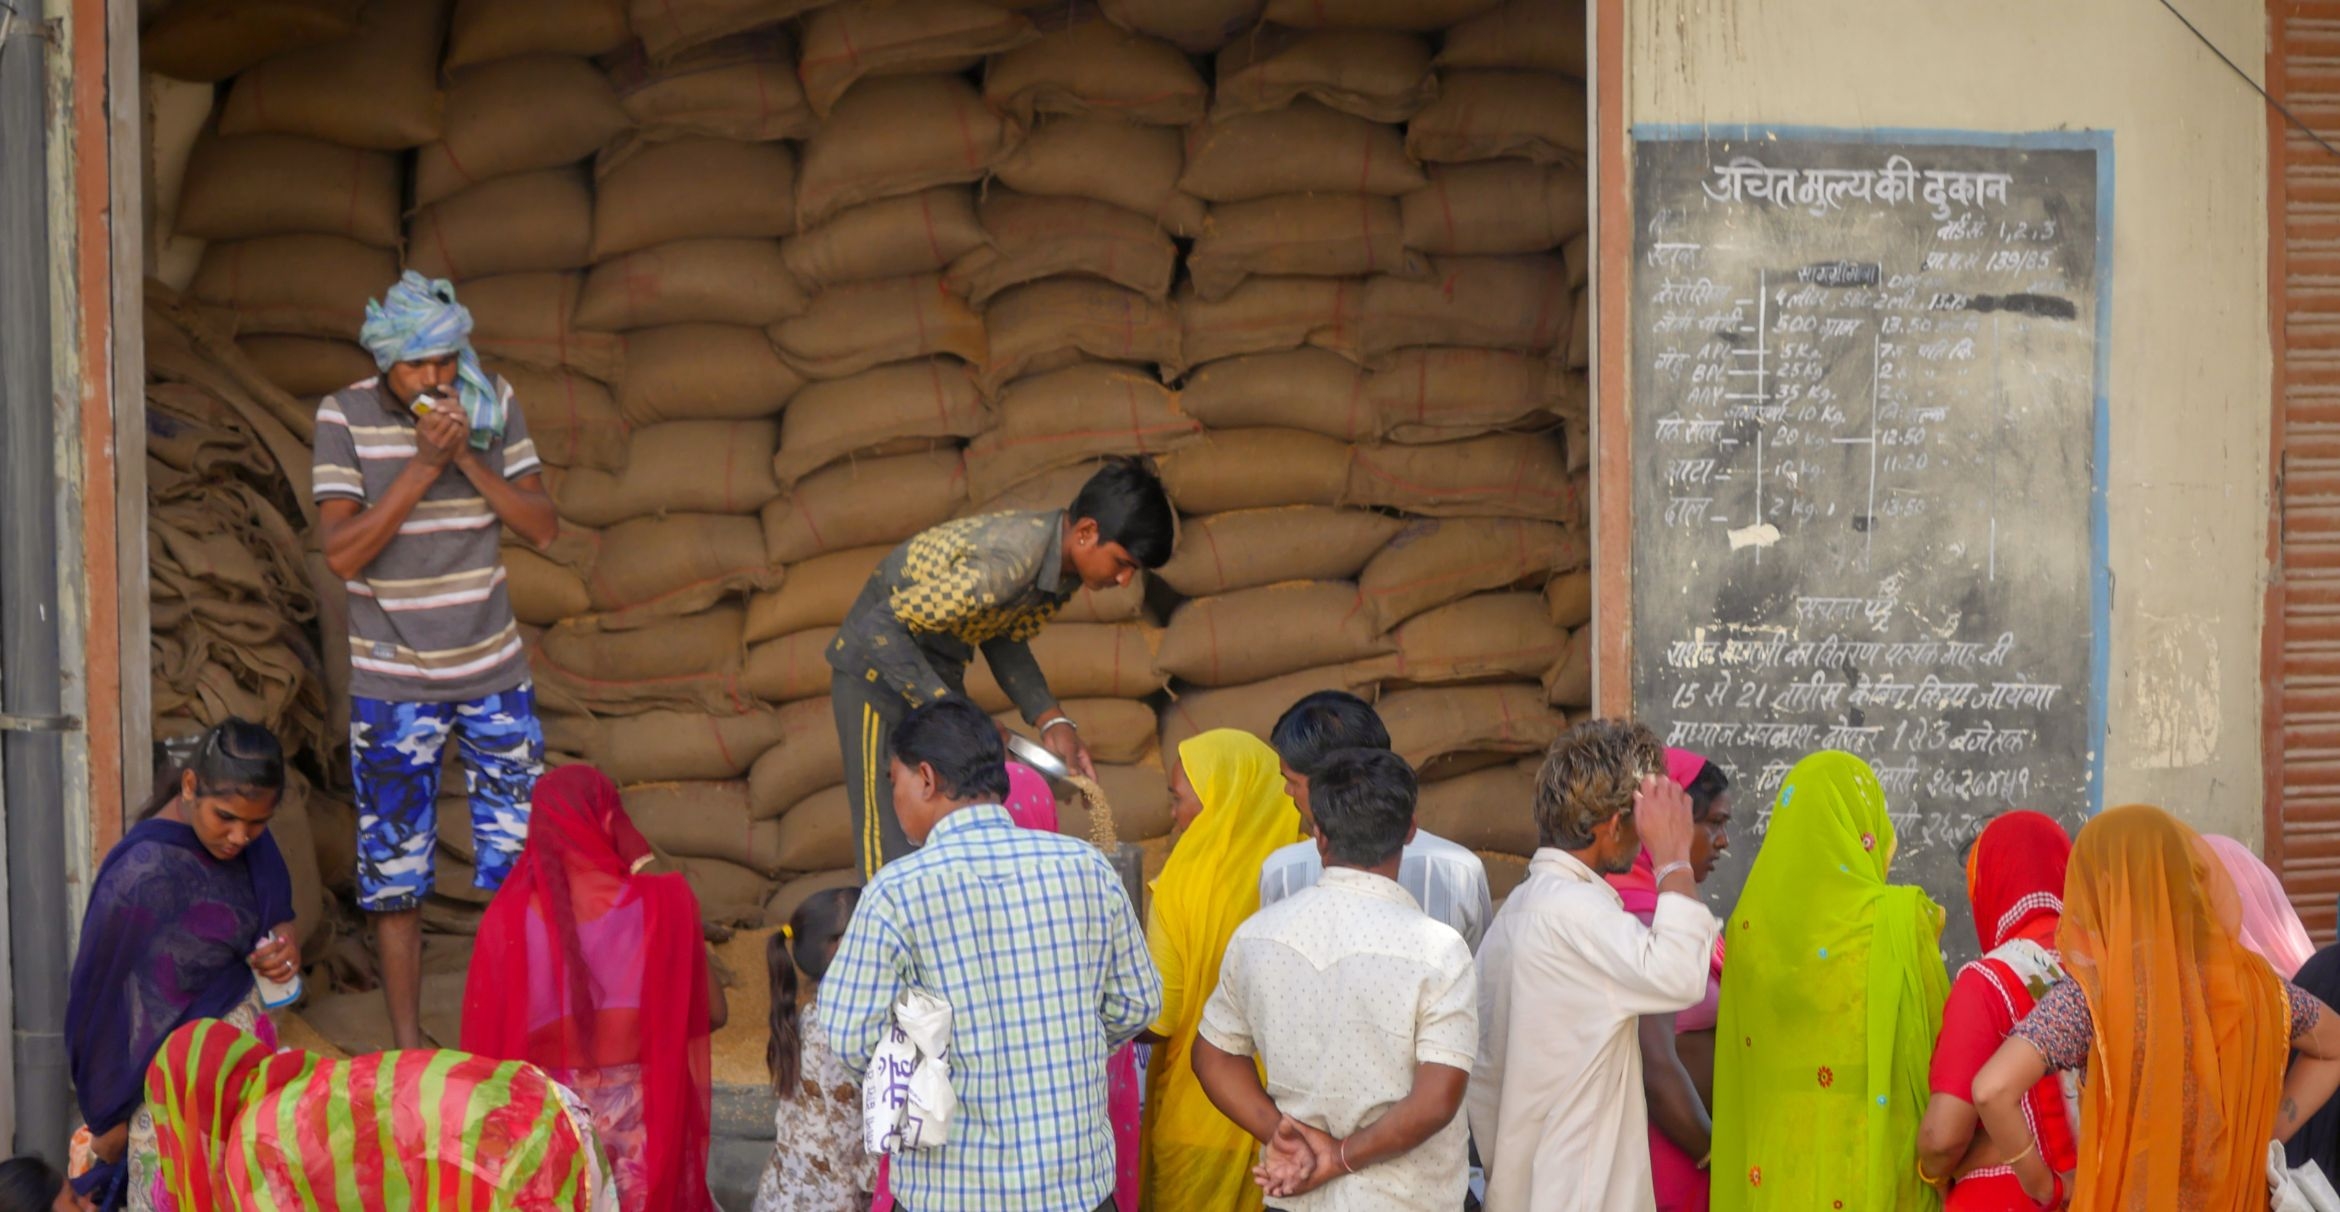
(1590, 775)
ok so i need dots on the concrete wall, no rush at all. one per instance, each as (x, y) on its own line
(2188, 481)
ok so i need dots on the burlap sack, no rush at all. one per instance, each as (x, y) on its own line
(1126, 604)
(1504, 476)
(571, 418)
(863, 502)
(1095, 67)
(818, 593)
(1580, 334)
(1489, 637)
(531, 319)
(792, 667)
(296, 837)
(1268, 314)
(816, 834)
(210, 40)
(704, 820)
(1139, 794)
(693, 186)
(527, 221)
(896, 135)
(1436, 394)
(854, 39)
(740, 87)
(1491, 809)
(1418, 15)
(1251, 635)
(783, 903)
(858, 325)
(484, 31)
(728, 893)
(703, 372)
(542, 592)
(1301, 148)
(1488, 114)
(1569, 680)
(1032, 237)
(1253, 709)
(1322, 235)
(308, 367)
(1048, 490)
(1578, 256)
(1071, 416)
(1444, 730)
(1519, 303)
(238, 186)
(678, 467)
(904, 405)
(314, 286)
(712, 281)
(688, 663)
(376, 88)
(1194, 26)
(1378, 75)
(1496, 207)
(1130, 166)
(1224, 552)
(1431, 563)
(1082, 661)
(516, 116)
(1254, 469)
(920, 233)
(667, 27)
(652, 568)
(1540, 35)
(1119, 731)
(804, 760)
(1568, 599)
(1054, 323)
(667, 746)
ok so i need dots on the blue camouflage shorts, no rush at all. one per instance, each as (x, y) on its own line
(395, 750)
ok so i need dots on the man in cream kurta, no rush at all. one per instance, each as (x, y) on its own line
(1555, 1099)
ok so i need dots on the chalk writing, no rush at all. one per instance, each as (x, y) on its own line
(1821, 190)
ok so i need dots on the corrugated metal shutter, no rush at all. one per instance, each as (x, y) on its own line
(2303, 618)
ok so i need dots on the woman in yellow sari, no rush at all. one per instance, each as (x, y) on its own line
(1830, 1006)
(1231, 812)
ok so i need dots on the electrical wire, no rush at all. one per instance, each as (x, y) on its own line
(2256, 87)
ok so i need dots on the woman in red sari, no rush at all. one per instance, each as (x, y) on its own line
(2015, 880)
(597, 973)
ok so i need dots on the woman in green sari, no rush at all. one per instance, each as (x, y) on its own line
(1830, 1005)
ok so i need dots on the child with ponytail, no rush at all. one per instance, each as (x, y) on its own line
(818, 1164)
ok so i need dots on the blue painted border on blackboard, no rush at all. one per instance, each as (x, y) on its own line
(2099, 514)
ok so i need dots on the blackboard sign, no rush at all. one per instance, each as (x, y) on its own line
(1868, 446)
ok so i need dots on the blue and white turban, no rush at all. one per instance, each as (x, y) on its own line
(419, 319)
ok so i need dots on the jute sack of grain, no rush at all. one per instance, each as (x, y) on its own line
(1431, 563)
(686, 664)
(1071, 416)
(863, 502)
(1378, 75)
(1568, 682)
(703, 372)
(376, 88)
(1434, 394)
(1489, 114)
(920, 233)
(1580, 334)
(1095, 67)
(693, 186)
(1505, 873)
(308, 367)
(857, 325)
(1115, 730)
(1032, 237)
(571, 418)
(855, 39)
(1417, 15)
(1568, 599)
(817, 833)
(542, 592)
(210, 40)
(1575, 414)
(516, 116)
(1137, 792)
(1254, 708)
(783, 903)
(1194, 26)
(667, 27)
(1127, 165)
(484, 31)
(1491, 809)
(1223, 552)
(1308, 389)
(1256, 468)
(531, 319)
(704, 820)
(804, 760)
(314, 286)
(1443, 728)
(1540, 35)
(793, 667)
(1578, 256)
(664, 746)
(1254, 634)
(896, 135)
(239, 186)
(678, 467)
(1268, 314)
(710, 281)
(1301, 148)
(817, 593)
(1048, 490)
(1054, 323)
(728, 893)
(740, 87)
(1517, 303)
(1126, 604)
(1496, 207)
(527, 221)
(1488, 637)
(296, 837)
(904, 405)
(1322, 235)
(1502, 476)
(1082, 660)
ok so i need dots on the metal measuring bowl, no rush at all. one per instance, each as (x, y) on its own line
(1130, 861)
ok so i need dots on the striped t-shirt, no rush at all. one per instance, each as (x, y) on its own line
(429, 620)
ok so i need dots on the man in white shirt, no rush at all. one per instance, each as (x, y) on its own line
(1361, 1009)
(1556, 1103)
(1445, 879)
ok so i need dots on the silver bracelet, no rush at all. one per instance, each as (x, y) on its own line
(1669, 869)
(1065, 720)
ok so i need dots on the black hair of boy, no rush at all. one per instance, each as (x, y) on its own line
(961, 743)
(1364, 802)
(1131, 508)
(1323, 724)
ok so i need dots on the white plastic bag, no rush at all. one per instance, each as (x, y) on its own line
(2302, 1190)
(906, 1096)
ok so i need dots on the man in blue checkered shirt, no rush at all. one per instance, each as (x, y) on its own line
(1031, 939)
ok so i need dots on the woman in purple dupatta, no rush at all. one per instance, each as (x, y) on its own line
(191, 903)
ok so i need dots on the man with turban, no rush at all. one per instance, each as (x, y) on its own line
(417, 470)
